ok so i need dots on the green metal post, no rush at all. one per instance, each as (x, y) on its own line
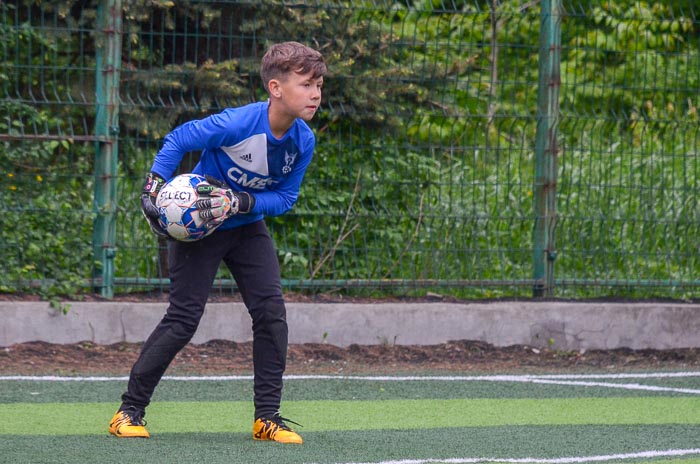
(546, 148)
(108, 63)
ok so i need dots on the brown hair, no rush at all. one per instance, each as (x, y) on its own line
(287, 57)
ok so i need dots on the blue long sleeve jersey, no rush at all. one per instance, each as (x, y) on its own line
(237, 147)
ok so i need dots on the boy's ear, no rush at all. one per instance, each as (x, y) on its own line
(274, 88)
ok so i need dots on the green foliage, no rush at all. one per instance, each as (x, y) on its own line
(44, 249)
(42, 184)
(630, 169)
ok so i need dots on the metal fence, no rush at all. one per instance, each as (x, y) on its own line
(465, 148)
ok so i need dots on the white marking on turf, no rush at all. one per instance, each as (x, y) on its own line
(623, 386)
(564, 380)
(550, 378)
(561, 460)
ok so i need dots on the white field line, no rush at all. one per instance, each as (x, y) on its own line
(623, 386)
(582, 380)
(382, 378)
(562, 460)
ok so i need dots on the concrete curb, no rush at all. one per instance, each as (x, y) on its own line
(561, 325)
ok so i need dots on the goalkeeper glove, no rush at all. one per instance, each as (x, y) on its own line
(149, 194)
(217, 202)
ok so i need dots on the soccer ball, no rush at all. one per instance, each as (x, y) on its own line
(178, 213)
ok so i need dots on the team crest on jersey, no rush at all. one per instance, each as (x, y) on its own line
(288, 162)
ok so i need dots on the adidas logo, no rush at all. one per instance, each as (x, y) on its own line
(247, 157)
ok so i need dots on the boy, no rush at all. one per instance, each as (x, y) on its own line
(255, 158)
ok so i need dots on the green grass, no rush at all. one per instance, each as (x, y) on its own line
(352, 421)
(322, 416)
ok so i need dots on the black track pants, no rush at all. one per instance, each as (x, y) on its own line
(249, 253)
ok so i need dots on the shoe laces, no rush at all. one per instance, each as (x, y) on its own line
(135, 416)
(280, 421)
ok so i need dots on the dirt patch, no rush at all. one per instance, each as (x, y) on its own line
(229, 358)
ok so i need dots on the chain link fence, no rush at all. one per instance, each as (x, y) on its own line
(475, 149)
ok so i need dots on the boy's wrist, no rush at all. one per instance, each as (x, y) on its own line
(246, 202)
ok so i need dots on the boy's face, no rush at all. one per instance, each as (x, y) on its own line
(299, 94)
